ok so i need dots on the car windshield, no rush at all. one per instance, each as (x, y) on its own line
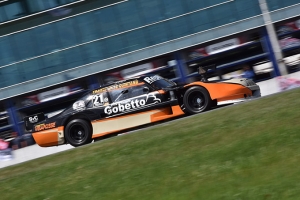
(85, 97)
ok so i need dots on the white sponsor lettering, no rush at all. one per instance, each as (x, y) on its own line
(121, 107)
(222, 46)
(99, 100)
(151, 79)
(33, 119)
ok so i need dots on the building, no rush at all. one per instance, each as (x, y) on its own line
(52, 51)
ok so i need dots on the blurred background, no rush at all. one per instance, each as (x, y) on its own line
(53, 51)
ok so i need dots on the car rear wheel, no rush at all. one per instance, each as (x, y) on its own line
(196, 99)
(78, 132)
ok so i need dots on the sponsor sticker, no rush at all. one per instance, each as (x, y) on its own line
(131, 104)
(79, 105)
(99, 100)
(33, 119)
(121, 107)
(151, 79)
(116, 86)
(222, 46)
(42, 127)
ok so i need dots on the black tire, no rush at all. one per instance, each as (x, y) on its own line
(78, 132)
(196, 100)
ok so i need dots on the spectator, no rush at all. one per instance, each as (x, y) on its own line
(5, 151)
(248, 73)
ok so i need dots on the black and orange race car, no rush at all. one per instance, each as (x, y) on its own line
(132, 103)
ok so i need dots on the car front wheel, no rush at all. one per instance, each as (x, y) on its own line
(196, 99)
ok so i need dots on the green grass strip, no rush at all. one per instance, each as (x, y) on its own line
(246, 151)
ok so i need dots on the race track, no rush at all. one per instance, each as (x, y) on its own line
(33, 152)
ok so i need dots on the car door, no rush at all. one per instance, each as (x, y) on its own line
(131, 99)
(97, 102)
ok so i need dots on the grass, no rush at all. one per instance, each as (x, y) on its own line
(247, 151)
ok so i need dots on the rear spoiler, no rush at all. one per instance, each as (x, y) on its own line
(33, 119)
(202, 71)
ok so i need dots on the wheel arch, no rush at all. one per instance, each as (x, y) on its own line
(196, 85)
(214, 102)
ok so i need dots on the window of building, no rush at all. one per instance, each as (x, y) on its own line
(2, 14)
(179, 27)
(223, 14)
(151, 10)
(246, 9)
(7, 53)
(115, 46)
(24, 45)
(214, 2)
(72, 57)
(31, 69)
(106, 22)
(68, 32)
(86, 27)
(193, 5)
(200, 21)
(52, 63)
(38, 5)
(173, 8)
(93, 51)
(12, 74)
(13, 10)
(157, 33)
(135, 40)
(46, 38)
(129, 15)
(289, 3)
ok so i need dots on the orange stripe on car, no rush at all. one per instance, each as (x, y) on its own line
(161, 91)
(167, 113)
(224, 91)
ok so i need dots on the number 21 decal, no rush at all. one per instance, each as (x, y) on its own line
(99, 100)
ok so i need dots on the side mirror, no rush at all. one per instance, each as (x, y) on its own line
(201, 70)
(146, 89)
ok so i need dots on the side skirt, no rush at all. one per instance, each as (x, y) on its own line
(116, 124)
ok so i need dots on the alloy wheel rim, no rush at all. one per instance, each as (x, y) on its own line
(77, 133)
(196, 101)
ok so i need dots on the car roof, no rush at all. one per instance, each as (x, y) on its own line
(139, 78)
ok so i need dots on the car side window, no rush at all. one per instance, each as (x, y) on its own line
(139, 90)
(127, 93)
(119, 94)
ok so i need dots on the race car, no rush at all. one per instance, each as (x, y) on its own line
(131, 103)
